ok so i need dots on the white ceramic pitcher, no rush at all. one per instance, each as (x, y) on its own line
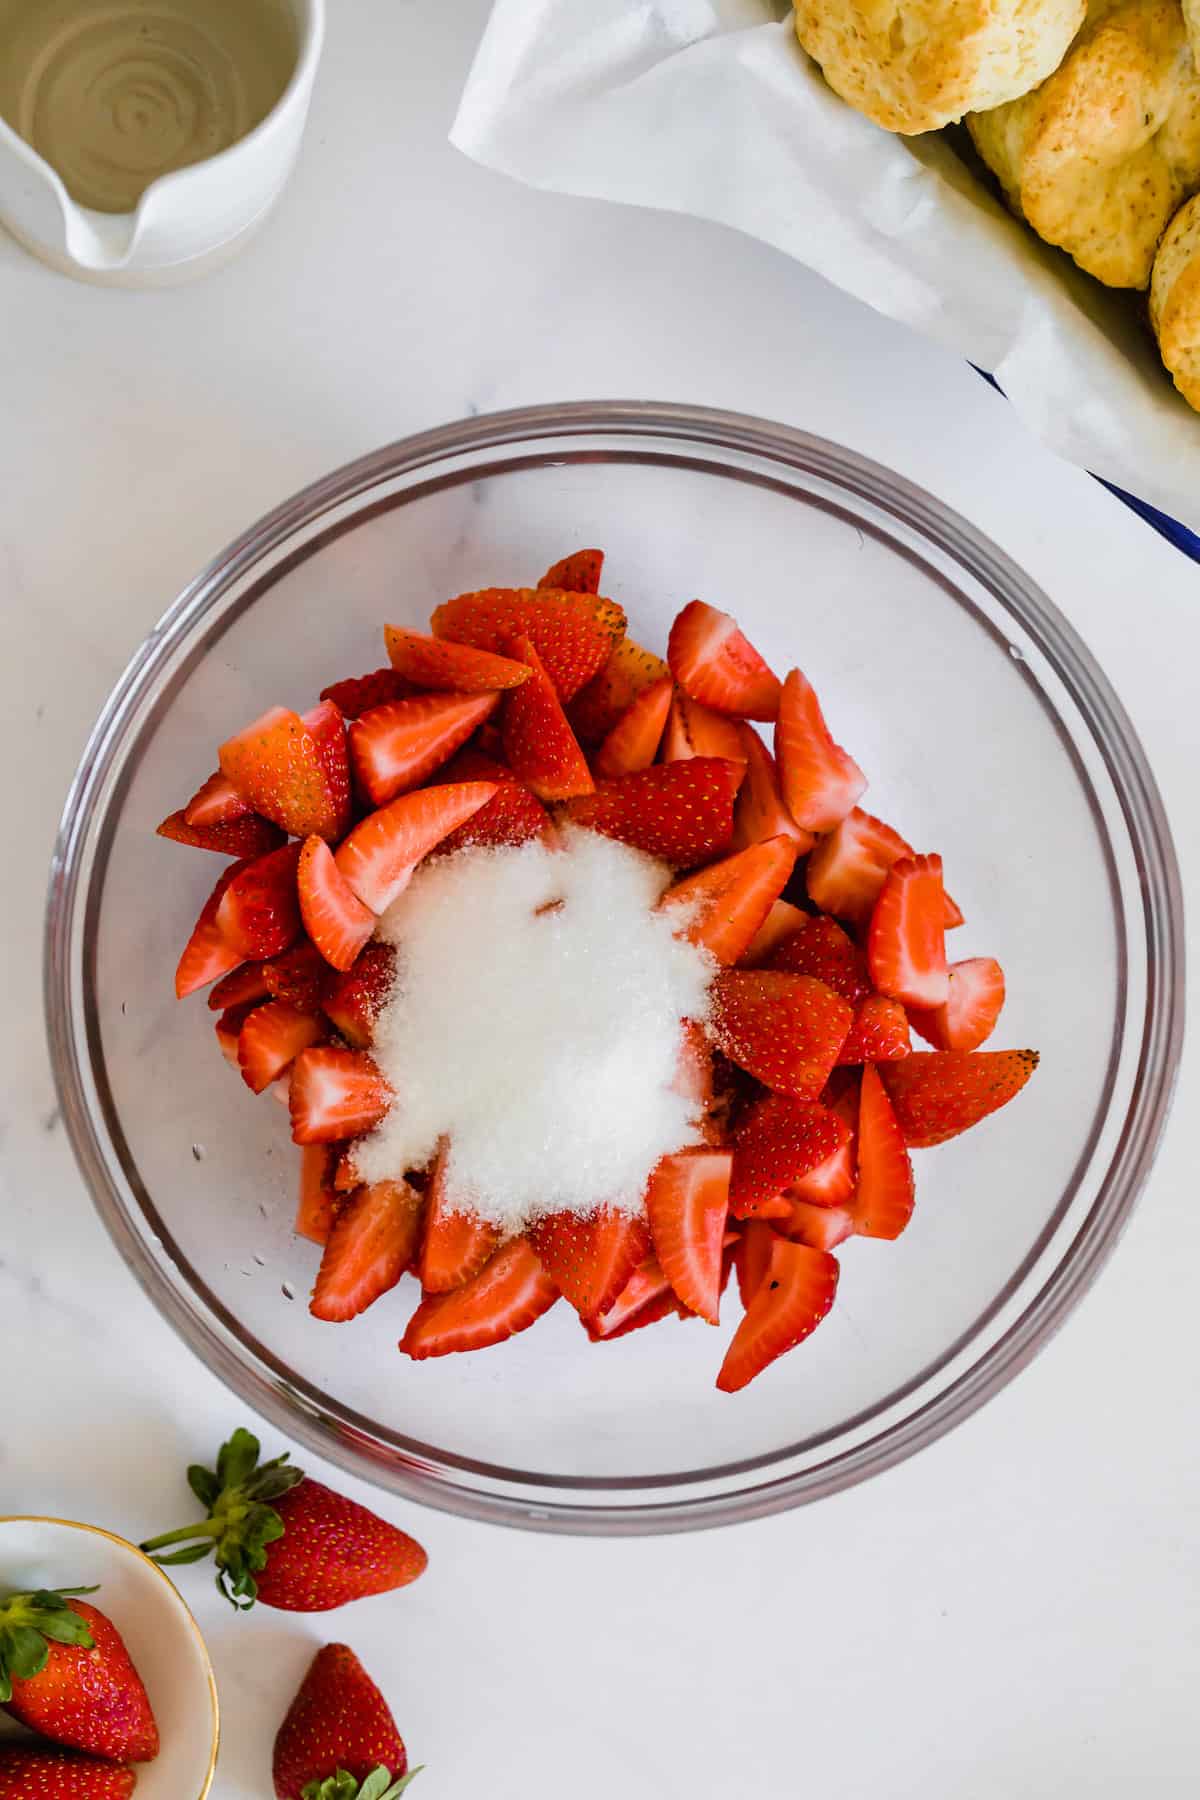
(185, 222)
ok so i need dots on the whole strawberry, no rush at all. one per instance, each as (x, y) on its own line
(339, 1740)
(65, 1673)
(40, 1774)
(287, 1540)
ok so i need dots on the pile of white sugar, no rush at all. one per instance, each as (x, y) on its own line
(535, 1023)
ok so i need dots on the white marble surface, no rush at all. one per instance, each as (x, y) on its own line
(1012, 1612)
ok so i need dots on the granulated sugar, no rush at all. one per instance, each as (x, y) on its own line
(535, 1022)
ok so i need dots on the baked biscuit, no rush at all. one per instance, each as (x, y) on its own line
(915, 65)
(1175, 300)
(1105, 151)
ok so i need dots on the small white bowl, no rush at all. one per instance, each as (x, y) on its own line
(159, 1632)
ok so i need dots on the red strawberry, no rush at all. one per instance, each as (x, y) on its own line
(216, 802)
(906, 941)
(335, 1094)
(395, 748)
(831, 1183)
(681, 812)
(820, 948)
(280, 769)
(820, 782)
(354, 1000)
(65, 1672)
(328, 729)
(245, 836)
(846, 870)
(760, 812)
(646, 1298)
(360, 693)
(301, 976)
(779, 924)
(573, 633)
(345, 1174)
(318, 1200)
(786, 1030)
(228, 1029)
(590, 1258)
(714, 663)
(270, 1040)
(879, 1032)
(207, 952)
(694, 1071)
(338, 1734)
(248, 982)
(752, 1257)
(938, 1093)
(578, 573)
(259, 914)
(972, 1006)
(435, 662)
(371, 1242)
(334, 917)
(776, 1142)
(821, 1227)
(541, 748)
(633, 741)
(513, 815)
(509, 1294)
(629, 671)
(29, 1772)
(380, 854)
(696, 730)
(726, 903)
(789, 1302)
(284, 1539)
(687, 1201)
(884, 1201)
(456, 1243)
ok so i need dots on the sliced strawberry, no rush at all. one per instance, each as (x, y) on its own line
(789, 1302)
(694, 1072)
(578, 573)
(300, 976)
(687, 1201)
(216, 802)
(972, 1006)
(786, 1030)
(954, 913)
(573, 633)
(335, 1094)
(696, 730)
(271, 1039)
(906, 939)
(821, 1227)
(847, 869)
(820, 782)
(752, 1257)
(360, 693)
(512, 816)
(345, 1173)
(681, 812)
(208, 953)
(334, 917)
(354, 1000)
(938, 1093)
(246, 836)
(371, 1243)
(228, 1029)
(879, 1032)
(725, 904)
(259, 914)
(629, 671)
(395, 748)
(380, 854)
(761, 813)
(247, 982)
(831, 1183)
(457, 1243)
(590, 1258)
(646, 1298)
(279, 768)
(540, 746)
(884, 1201)
(328, 729)
(634, 739)
(820, 948)
(775, 1143)
(317, 1201)
(779, 924)
(509, 1294)
(439, 663)
(714, 663)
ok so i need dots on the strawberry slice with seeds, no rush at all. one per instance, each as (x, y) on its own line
(380, 854)
(629, 671)
(820, 948)
(681, 812)
(228, 1029)
(259, 914)
(590, 1258)
(687, 1201)
(879, 1032)
(752, 1257)
(245, 836)
(216, 802)
(436, 662)
(246, 983)
(791, 1299)
(820, 782)
(696, 730)
(775, 1143)
(512, 816)
(510, 1293)
(358, 694)
(208, 953)
(271, 1039)
(371, 1243)
(335, 1094)
(300, 976)
(328, 728)
(847, 869)
(972, 1006)
(906, 940)
(786, 1030)
(938, 1093)
(646, 1298)
(355, 998)
(831, 1183)
(883, 1203)
(821, 1227)
(542, 750)
(280, 770)
(334, 917)
(578, 573)
(760, 812)
(716, 664)
(317, 1200)
(573, 633)
(634, 739)
(396, 747)
(779, 924)
(724, 905)
(457, 1243)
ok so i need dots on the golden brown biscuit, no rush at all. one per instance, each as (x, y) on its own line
(1175, 300)
(916, 65)
(1102, 154)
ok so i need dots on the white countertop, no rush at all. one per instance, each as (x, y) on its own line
(1014, 1611)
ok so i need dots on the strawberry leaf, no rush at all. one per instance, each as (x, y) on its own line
(203, 1484)
(378, 1785)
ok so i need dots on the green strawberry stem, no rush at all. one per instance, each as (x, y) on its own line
(29, 1624)
(378, 1785)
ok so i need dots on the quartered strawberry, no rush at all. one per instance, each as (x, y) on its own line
(681, 812)
(694, 1071)
(696, 730)
(40, 1772)
(541, 748)
(831, 1183)
(752, 1257)
(65, 1672)
(775, 1143)
(357, 694)
(513, 815)
(456, 1243)
(789, 1302)
(590, 1258)
(629, 671)
(335, 1094)
(820, 948)
(354, 1000)
(509, 1294)
(687, 1201)
(438, 662)
(760, 812)
(228, 1030)
(248, 982)
(380, 854)
(334, 917)
(938, 1093)
(725, 904)
(371, 1242)
(338, 1740)
(820, 782)
(247, 835)
(259, 913)
(279, 768)
(270, 1040)
(782, 920)
(634, 739)
(906, 939)
(714, 663)
(646, 1298)
(847, 869)
(395, 748)
(328, 729)
(821, 1227)
(786, 1030)
(578, 573)
(879, 1032)
(883, 1203)
(216, 802)
(300, 976)
(317, 1199)
(573, 633)
(208, 953)
(972, 1006)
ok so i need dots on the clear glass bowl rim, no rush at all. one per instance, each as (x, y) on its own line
(1126, 765)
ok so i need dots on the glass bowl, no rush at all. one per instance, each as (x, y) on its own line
(989, 733)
